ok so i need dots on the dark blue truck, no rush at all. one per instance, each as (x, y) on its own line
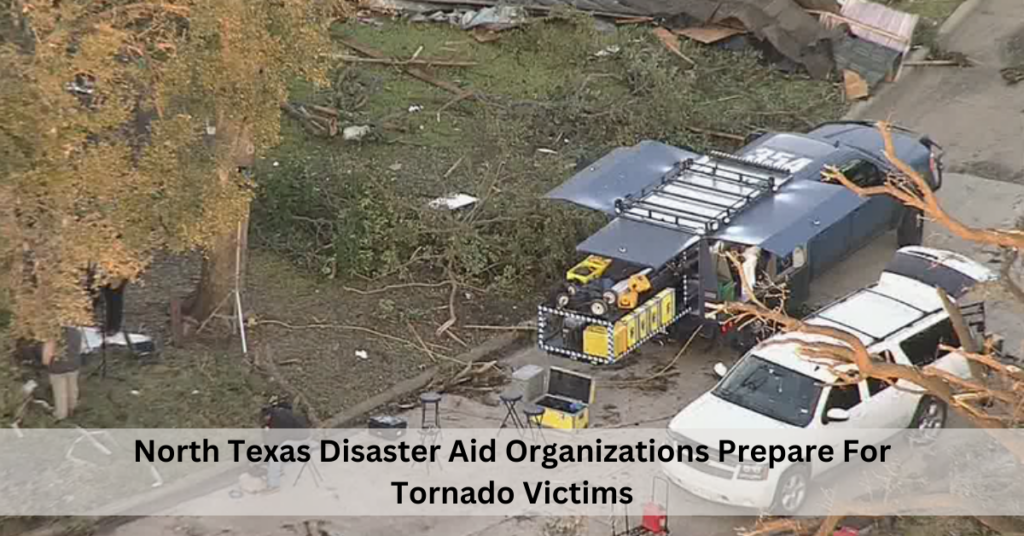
(658, 264)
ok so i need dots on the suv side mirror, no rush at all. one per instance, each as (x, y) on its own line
(837, 415)
(721, 370)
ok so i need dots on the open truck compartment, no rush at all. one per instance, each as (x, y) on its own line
(652, 266)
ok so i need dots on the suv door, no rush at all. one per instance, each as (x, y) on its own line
(922, 348)
(876, 213)
(851, 398)
(894, 405)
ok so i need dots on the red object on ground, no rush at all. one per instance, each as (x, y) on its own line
(846, 531)
(655, 519)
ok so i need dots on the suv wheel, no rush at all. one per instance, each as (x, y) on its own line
(791, 491)
(929, 418)
(911, 229)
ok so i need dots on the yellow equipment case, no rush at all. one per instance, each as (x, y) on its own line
(567, 401)
(633, 329)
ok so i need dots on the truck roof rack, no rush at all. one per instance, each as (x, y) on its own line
(701, 196)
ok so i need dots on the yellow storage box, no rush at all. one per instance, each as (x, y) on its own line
(595, 340)
(568, 400)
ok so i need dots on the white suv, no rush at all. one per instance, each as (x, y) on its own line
(900, 318)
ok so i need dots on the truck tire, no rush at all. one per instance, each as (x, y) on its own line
(929, 418)
(791, 491)
(911, 229)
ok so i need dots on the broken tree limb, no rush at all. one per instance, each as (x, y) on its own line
(344, 327)
(967, 339)
(717, 134)
(501, 328)
(412, 71)
(390, 61)
(933, 63)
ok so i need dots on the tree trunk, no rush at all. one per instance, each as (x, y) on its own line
(223, 264)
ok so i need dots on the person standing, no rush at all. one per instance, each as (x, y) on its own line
(283, 427)
(62, 360)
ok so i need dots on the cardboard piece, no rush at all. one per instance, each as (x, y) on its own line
(855, 86)
(709, 33)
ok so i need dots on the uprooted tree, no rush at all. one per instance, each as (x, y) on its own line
(129, 127)
(991, 399)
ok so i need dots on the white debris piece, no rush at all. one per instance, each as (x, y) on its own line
(361, 354)
(453, 202)
(608, 51)
(494, 18)
(355, 133)
(29, 387)
(415, 108)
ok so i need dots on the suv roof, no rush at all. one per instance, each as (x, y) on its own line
(878, 312)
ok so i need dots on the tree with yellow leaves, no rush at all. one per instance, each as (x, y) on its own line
(129, 126)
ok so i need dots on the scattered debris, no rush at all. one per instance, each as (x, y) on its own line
(671, 42)
(438, 16)
(135, 392)
(1013, 75)
(717, 134)
(495, 18)
(355, 133)
(854, 85)
(608, 51)
(937, 63)
(415, 108)
(453, 202)
(709, 33)
(871, 61)
(634, 20)
(879, 38)
(546, 151)
(875, 22)
(319, 120)
(485, 36)
(411, 71)
(361, 354)
(395, 167)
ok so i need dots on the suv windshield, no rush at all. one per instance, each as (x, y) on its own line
(771, 390)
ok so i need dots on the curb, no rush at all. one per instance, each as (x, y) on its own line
(859, 109)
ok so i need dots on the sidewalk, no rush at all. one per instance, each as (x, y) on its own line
(971, 112)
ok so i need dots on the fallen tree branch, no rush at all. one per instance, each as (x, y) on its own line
(501, 328)
(345, 327)
(717, 134)
(396, 287)
(412, 71)
(391, 61)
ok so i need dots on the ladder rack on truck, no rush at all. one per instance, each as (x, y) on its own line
(702, 196)
(696, 197)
